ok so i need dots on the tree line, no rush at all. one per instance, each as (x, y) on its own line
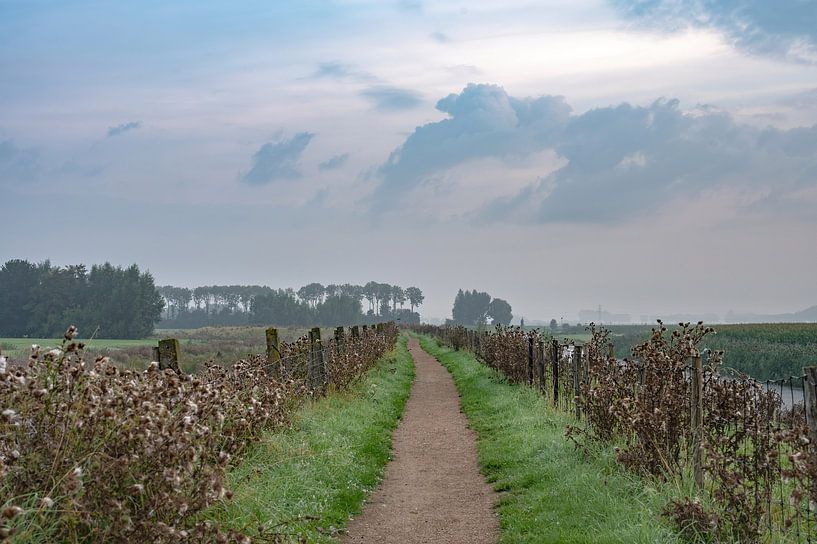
(477, 308)
(312, 304)
(40, 300)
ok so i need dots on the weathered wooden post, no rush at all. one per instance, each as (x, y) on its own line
(810, 398)
(555, 370)
(169, 354)
(530, 360)
(379, 328)
(577, 379)
(356, 331)
(317, 370)
(273, 353)
(541, 365)
(154, 353)
(697, 408)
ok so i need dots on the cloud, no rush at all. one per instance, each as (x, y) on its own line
(125, 127)
(333, 163)
(802, 100)
(392, 98)
(19, 165)
(439, 37)
(484, 122)
(783, 28)
(339, 70)
(617, 161)
(415, 6)
(274, 161)
(333, 69)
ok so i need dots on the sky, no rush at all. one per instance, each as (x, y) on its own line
(647, 156)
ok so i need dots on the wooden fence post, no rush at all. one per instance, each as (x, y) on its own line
(555, 370)
(356, 331)
(697, 408)
(154, 353)
(340, 337)
(541, 364)
(810, 397)
(577, 379)
(169, 354)
(317, 370)
(273, 353)
(530, 360)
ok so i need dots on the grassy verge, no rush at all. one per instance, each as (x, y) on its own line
(308, 481)
(552, 492)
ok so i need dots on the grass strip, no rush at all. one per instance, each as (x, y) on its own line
(307, 481)
(551, 491)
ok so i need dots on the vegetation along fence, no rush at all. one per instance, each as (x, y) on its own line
(90, 452)
(743, 450)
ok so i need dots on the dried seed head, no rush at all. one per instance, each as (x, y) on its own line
(11, 512)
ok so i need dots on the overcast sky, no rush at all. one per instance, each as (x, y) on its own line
(649, 156)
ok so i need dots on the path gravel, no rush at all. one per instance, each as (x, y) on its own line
(432, 490)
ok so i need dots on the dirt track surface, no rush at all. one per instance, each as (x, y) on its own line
(432, 490)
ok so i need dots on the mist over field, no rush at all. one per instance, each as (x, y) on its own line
(652, 158)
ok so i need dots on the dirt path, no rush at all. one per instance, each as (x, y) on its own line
(432, 490)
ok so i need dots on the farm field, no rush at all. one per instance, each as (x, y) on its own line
(765, 351)
(221, 345)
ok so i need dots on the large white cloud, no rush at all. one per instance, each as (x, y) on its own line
(618, 161)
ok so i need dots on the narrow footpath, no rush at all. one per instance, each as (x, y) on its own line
(432, 490)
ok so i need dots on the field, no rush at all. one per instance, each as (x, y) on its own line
(765, 351)
(221, 345)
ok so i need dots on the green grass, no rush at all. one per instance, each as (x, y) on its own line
(221, 345)
(325, 466)
(22, 346)
(551, 491)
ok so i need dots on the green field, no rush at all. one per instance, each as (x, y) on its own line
(21, 347)
(764, 350)
(221, 345)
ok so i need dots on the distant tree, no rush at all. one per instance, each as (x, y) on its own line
(281, 307)
(312, 293)
(398, 296)
(406, 317)
(370, 293)
(384, 294)
(554, 325)
(339, 310)
(415, 297)
(500, 312)
(470, 307)
(42, 300)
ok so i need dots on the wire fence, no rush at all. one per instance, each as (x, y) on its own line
(746, 447)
